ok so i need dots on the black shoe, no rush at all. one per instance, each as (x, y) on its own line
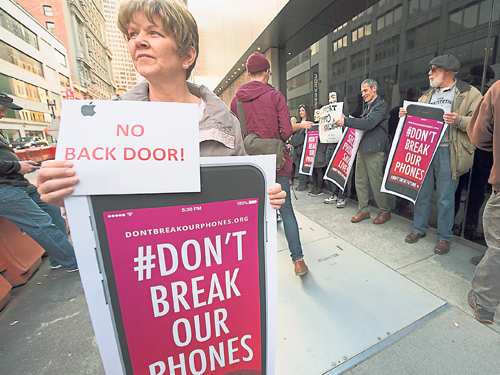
(476, 260)
(316, 192)
(301, 188)
(311, 192)
(482, 315)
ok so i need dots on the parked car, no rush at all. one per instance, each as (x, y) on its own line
(27, 142)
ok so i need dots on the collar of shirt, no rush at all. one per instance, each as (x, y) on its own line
(439, 89)
(370, 103)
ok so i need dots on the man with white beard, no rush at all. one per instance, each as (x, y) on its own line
(455, 152)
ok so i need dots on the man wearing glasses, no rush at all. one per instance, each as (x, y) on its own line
(267, 115)
(455, 152)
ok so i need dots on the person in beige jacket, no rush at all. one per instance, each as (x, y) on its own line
(455, 152)
(485, 294)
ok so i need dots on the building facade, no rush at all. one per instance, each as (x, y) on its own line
(34, 70)
(89, 51)
(124, 73)
(335, 45)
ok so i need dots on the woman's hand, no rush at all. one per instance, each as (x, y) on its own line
(402, 112)
(276, 196)
(56, 180)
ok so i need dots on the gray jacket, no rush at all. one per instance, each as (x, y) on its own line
(219, 129)
(375, 123)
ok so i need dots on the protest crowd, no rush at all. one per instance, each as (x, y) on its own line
(362, 156)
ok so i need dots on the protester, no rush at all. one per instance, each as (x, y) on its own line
(455, 153)
(370, 158)
(21, 204)
(267, 115)
(305, 115)
(162, 38)
(485, 294)
(483, 161)
(337, 196)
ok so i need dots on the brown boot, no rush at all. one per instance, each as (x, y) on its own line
(300, 267)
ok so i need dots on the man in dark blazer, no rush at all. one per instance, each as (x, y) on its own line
(371, 153)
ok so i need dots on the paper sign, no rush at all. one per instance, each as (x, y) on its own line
(309, 151)
(329, 133)
(343, 157)
(415, 143)
(119, 147)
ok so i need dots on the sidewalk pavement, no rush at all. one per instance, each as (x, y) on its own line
(46, 327)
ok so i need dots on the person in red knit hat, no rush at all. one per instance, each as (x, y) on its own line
(267, 115)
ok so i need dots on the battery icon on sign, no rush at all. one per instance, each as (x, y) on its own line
(254, 201)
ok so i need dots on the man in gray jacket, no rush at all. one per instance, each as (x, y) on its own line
(371, 153)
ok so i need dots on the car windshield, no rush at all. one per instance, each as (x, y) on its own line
(23, 139)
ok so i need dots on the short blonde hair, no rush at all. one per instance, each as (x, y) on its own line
(176, 19)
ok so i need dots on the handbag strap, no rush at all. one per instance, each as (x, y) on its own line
(241, 117)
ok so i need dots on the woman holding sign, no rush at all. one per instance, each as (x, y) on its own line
(162, 38)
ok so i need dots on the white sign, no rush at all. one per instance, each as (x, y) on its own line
(98, 282)
(120, 147)
(329, 133)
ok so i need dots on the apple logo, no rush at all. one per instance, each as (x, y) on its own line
(88, 110)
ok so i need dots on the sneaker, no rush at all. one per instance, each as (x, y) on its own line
(482, 315)
(72, 269)
(332, 199)
(316, 193)
(55, 266)
(301, 188)
(341, 203)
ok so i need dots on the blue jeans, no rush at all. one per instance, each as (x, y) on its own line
(439, 173)
(289, 221)
(41, 221)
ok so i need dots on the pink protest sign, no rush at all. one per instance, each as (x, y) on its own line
(188, 287)
(309, 151)
(413, 149)
(343, 157)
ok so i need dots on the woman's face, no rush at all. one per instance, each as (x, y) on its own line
(302, 112)
(153, 50)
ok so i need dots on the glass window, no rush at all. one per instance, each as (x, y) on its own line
(398, 14)
(484, 12)
(63, 80)
(47, 11)
(355, 35)
(425, 5)
(470, 16)
(344, 41)
(455, 23)
(368, 29)
(12, 55)
(302, 79)
(51, 27)
(380, 23)
(16, 28)
(361, 32)
(413, 8)
(388, 19)
(61, 59)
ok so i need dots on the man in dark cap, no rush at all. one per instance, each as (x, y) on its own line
(267, 115)
(455, 152)
(21, 203)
